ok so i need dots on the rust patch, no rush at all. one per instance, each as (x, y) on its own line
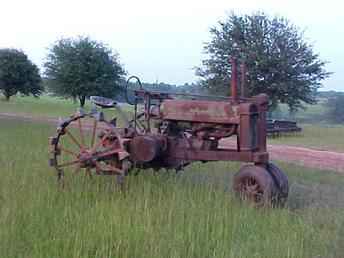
(200, 111)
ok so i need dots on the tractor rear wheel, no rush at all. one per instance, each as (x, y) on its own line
(88, 143)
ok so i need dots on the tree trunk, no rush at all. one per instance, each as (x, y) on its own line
(7, 96)
(82, 100)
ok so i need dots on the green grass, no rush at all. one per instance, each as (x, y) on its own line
(314, 136)
(44, 106)
(51, 107)
(189, 215)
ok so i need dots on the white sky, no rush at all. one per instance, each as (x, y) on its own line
(163, 40)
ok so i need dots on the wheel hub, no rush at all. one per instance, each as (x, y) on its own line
(86, 159)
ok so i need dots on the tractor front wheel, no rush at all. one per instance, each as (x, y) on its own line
(261, 185)
(254, 184)
(281, 185)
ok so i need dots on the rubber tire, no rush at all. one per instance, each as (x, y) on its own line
(281, 184)
(262, 178)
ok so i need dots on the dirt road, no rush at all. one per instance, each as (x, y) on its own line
(304, 156)
(308, 157)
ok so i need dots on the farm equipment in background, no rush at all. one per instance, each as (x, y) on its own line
(280, 127)
(171, 132)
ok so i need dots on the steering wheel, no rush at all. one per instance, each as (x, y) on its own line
(130, 89)
(103, 102)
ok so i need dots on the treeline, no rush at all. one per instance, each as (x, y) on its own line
(334, 102)
(191, 88)
(329, 94)
(328, 110)
(186, 88)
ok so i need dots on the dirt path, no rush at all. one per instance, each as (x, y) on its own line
(308, 157)
(304, 156)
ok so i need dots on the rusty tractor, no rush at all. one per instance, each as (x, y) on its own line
(169, 131)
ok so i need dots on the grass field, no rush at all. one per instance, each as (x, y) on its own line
(315, 136)
(317, 132)
(44, 106)
(189, 215)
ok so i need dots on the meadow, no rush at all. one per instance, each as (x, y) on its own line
(317, 130)
(315, 136)
(192, 214)
(44, 106)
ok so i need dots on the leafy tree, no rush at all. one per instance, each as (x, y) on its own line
(279, 61)
(81, 67)
(336, 108)
(18, 74)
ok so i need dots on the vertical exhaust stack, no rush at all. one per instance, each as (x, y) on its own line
(243, 80)
(234, 81)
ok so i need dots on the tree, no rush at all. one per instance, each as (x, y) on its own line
(279, 61)
(336, 108)
(18, 74)
(81, 67)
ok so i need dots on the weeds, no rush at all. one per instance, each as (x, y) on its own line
(193, 214)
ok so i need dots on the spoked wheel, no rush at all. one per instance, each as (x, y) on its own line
(254, 184)
(140, 123)
(88, 143)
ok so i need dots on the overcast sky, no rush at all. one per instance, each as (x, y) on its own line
(163, 40)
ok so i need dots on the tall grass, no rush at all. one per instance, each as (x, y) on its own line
(188, 215)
